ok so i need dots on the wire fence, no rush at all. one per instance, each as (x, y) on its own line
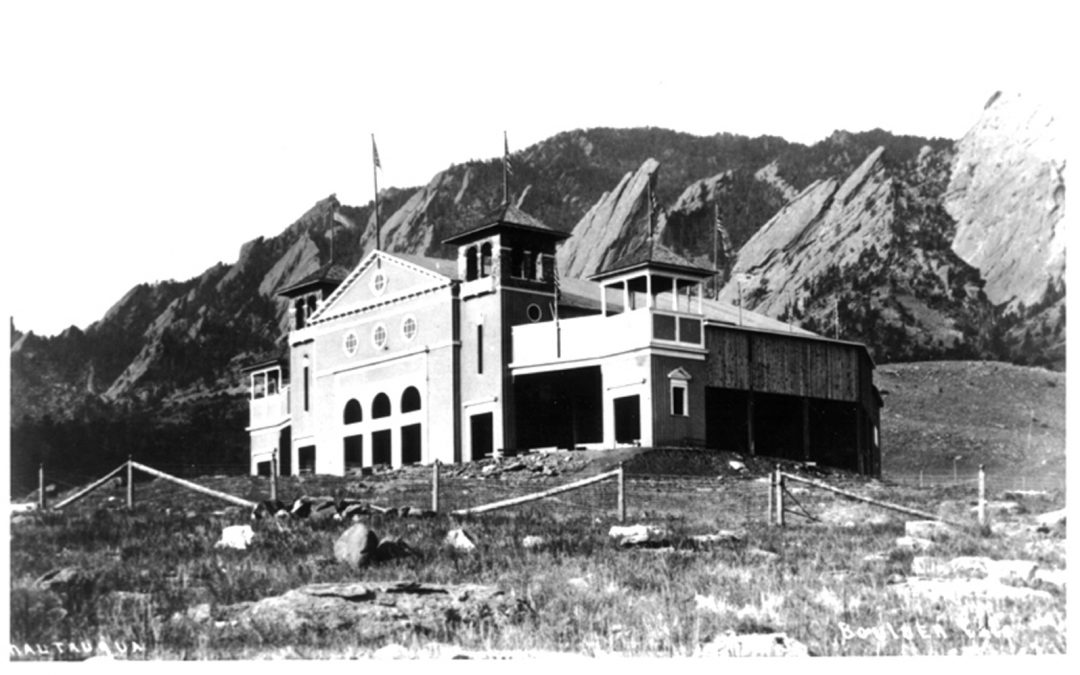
(997, 483)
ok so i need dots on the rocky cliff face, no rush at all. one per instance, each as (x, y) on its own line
(1007, 195)
(829, 211)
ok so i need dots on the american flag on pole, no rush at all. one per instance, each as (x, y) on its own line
(375, 153)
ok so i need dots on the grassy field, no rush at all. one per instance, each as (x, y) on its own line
(152, 583)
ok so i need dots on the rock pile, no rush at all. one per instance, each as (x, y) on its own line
(325, 508)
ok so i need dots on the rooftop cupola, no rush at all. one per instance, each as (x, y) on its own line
(310, 291)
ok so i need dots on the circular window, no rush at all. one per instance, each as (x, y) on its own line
(378, 336)
(408, 328)
(379, 282)
(349, 343)
(534, 313)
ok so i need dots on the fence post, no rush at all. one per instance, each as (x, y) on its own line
(779, 497)
(622, 493)
(435, 486)
(982, 495)
(273, 475)
(130, 485)
(41, 485)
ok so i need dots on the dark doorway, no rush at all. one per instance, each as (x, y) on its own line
(778, 425)
(481, 430)
(627, 419)
(307, 459)
(285, 452)
(559, 409)
(262, 468)
(410, 444)
(381, 442)
(834, 433)
(354, 451)
(725, 419)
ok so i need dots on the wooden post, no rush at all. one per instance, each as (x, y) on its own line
(41, 486)
(982, 495)
(435, 486)
(273, 475)
(806, 428)
(772, 494)
(779, 497)
(622, 493)
(130, 485)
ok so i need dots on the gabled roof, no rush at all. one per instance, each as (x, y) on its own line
(506, 215)
(651, 254)
(429, 267)
(328, 275)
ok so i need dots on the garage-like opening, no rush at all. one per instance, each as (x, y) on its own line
(307, 459)
(778, 426)
(834, 433)
(559, 409)
(627, 411)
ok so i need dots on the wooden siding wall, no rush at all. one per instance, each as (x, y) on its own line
(787, 365)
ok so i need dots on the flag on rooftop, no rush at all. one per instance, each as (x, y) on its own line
(375, 153)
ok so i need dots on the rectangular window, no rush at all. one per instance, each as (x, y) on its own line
(258, 386)
(480, 348)
(678, 399)
(307, 389)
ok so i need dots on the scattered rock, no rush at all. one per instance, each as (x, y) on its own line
(956, 590)
(736, 466)
(356, 546)
(1051, 520)
(460, 540)
(1053, 578)
(1021, 495)
(754, 644)
(323, 510)
(63, 580)
(1000, 508)
(721, 537)
(927, 529)
(762, 555)
(874, 558)
(638, 535)
(236, 536)
(372, 612)
(390, 549)
(391, 651)
(533, 541)
(268, 508)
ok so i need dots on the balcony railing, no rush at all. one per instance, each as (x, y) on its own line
(271, 409)
(596, 336)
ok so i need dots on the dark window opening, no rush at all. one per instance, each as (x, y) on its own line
(307, 389)
(380, 407)
(410, 400)
(381, 442)
(470, 263)
(353, 412)
(481, 428)
(298, 309)
(485, 260)
(678, 399)
(307, 459)
(354, 451)
(480, 348)
(410, 444)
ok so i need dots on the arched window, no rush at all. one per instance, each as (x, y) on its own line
(298, 310)
(485, 259)
(312, 304)
(380, 407)
(410, 400)
(528, 265)
(353, 412)
(470, 263)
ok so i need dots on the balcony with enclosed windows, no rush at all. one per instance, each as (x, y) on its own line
(268, 399)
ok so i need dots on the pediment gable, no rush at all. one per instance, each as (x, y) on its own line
(379, 279)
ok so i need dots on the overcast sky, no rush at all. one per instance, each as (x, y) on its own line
(144, 141)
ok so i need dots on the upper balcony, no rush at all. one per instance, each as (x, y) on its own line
(597, 336)
(269, 410)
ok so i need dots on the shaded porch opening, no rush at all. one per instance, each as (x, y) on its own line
(782, 426)
(410, 444)
(285, 452)
(559, 409)
(306, 459)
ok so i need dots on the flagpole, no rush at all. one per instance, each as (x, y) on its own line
(716, 252)
(375, 176)
(506, 164)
